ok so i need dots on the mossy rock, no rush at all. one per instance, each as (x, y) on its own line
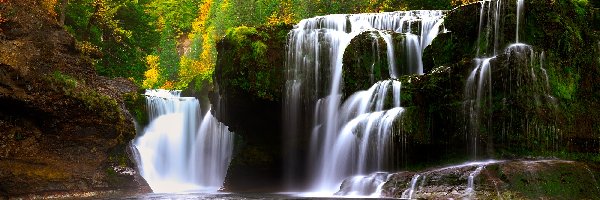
(365, 62)
(251, 60)
(136, 104)
(247, 97)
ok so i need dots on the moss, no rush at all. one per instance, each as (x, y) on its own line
(136, 104)
(251, 59)
(550, 181)
(65, 80)
(100, 103)
(365, 62)
(258, 50)
(240, 34)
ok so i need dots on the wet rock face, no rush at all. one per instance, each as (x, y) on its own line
(64, 129)
(543, 179)
(365, 62)
(249, 78)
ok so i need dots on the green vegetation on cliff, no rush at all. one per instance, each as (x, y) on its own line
(168, 43)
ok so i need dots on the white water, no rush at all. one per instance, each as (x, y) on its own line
(408, 194)
(363, 186)
(520, 5)
(177, 152)
(470, 191)
(341, 132)
(478, 93)
(478, 88)
(362, 145)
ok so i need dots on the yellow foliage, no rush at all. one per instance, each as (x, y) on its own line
(462, 2)
(199, 24)
(151, 75)
(185, 67)
(207, 57)
(168, 85)
(284, 15)
(49, 6)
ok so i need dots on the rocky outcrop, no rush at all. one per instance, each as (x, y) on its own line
(538, 179)
(541, 84)
(65, 130)
(249, 79)
(365, 62)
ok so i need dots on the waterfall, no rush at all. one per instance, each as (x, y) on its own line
(518, 69)
(478, 93)
(408, 194)
(476, 105)
(520, 5)
(177, 152)
(343, 133)
(364, 186)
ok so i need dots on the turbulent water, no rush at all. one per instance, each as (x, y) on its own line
(343, 132)
(178, 150)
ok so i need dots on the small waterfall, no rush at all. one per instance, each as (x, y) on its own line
(407, 194)
(469, 192)
(520, 5)
(478, 88)
(341, 132)
(177, 152)
(478, 92)
(363, 186)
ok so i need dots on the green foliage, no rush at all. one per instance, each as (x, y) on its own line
(66, 81)
(178, 14)
(580, 6)
(258, 50)
(123, 33)
(429, 5)
(167, 51)
(119, 29)
(240, 34)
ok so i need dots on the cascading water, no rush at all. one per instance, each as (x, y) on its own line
(408, 194)
(342, 134)
(478, 93)
(363, 144)
(518, 67)
(469, 192)
(177, 152)
(364, 186)
(520, 5)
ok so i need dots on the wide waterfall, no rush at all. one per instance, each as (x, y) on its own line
(178, 150)
(344, 133)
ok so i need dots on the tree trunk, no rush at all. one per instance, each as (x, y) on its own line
(63, 10)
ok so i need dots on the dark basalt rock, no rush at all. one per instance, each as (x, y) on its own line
(249, 79)
(65, 130)
(365, 62)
